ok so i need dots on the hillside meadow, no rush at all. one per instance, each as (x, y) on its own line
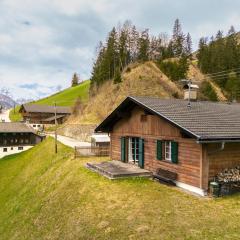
(66, 97)
(48, 196)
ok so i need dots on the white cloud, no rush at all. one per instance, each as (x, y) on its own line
(44, 41)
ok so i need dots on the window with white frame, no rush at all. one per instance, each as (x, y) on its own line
(167, 151)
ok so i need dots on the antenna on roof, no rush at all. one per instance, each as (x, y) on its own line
(188, 83)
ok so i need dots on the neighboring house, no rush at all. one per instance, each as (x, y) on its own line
(195, 143)
(43, 114)
(16, 137)
(100, 140)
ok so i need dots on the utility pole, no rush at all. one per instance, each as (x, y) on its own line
(56, 147)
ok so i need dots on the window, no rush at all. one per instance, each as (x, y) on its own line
(20, 148)
(133, 150)
(5, 149)
(34, 125)
(11, 148)
(168, 148)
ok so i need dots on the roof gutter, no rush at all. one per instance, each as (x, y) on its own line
(219, 141)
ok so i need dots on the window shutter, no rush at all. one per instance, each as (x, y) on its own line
(123, 149)
(141, 153)
(174, 152)
(159, 150)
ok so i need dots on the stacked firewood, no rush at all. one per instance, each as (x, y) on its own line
(229, 175)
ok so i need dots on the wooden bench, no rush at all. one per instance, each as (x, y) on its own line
(165, 176)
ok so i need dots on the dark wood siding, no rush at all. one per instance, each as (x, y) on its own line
(220, 159)
(151, 128)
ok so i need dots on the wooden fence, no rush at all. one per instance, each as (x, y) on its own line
(90, 151)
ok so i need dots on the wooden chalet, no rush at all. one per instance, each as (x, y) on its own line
(16, 137)
(188, 144)
(43, 114)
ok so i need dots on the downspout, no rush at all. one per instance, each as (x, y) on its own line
(218, 150)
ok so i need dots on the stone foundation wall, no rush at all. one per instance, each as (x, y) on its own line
(81, 132)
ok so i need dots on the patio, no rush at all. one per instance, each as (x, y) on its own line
(116, 169)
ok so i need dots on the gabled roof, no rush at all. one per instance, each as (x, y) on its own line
(37, 108)
(203, 120)
(15, 127)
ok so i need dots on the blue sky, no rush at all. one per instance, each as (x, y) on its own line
(43, 42)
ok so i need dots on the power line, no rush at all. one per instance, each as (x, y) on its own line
(219, 73)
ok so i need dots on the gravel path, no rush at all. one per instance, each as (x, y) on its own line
(71, 142)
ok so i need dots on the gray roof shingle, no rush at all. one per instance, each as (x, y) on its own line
(15, 127)
(46, 109)
(204, 120)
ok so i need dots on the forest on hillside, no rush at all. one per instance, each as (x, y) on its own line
(217, 57)
(126, 44)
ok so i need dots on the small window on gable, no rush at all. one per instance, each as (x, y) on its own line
(143, 118)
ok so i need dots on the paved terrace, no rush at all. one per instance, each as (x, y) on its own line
(117, 169)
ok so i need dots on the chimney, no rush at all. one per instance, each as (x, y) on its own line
(190, 92)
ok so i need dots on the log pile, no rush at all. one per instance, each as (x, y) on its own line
(231, 175)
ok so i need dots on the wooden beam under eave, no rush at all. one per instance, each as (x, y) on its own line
(204, 168)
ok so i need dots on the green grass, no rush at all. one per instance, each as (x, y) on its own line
(66, 97)
(15, 116)
(48, 196)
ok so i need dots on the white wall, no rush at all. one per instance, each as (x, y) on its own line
(12, 150)
(36, 126)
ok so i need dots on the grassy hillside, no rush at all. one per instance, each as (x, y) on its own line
(15, 116)
(66, 97)
(44, 196)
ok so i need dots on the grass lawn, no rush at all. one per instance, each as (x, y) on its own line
(44, 196)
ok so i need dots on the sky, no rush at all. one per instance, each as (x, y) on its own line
(43, 42)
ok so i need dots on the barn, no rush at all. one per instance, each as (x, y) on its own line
(44, 114)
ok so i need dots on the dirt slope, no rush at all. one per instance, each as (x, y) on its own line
(144, 79)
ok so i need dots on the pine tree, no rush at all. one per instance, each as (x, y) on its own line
(177, 39)
(188, 45)
(75, 80)
(117, 77)
(231, 31)
(111, 58)
(143, 46)
(123, 50)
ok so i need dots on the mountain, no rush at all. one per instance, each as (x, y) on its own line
(6, 101)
